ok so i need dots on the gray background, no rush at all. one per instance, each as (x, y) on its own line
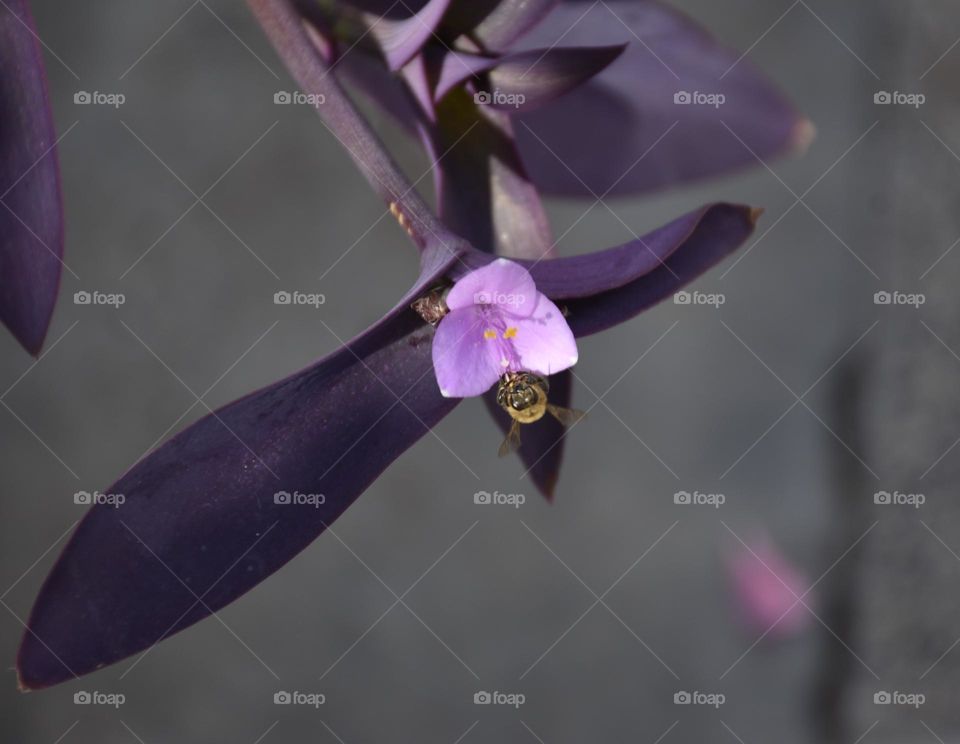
(516, 580)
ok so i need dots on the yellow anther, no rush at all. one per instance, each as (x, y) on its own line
(489, 334)
(511, 332)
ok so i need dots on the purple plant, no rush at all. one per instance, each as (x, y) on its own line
(31, 216)
(207, 514)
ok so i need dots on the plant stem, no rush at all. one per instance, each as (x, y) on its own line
(290, 35)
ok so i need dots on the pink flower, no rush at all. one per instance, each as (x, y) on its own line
(498, 323)
(768, 590)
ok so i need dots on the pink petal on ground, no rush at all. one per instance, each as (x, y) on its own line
(766, 587)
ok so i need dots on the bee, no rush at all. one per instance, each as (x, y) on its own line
(523, 395)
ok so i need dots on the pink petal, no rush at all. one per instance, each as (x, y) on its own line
(466, 363)
(501, 283)
(767, 587)
(543, 342)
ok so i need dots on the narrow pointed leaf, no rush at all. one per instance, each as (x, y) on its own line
(452, 68)
(589, 274)
(495, 24)
(388, 8)
(202, 524)
(630, 129)
(537, 78)
(483, 190)
(31, 214)
(415, 74)
(526, 80)
(359, 71)
(721, 230)
(401, 40)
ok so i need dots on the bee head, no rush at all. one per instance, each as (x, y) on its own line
(523, 396)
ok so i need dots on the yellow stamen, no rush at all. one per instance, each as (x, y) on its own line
(511, 332)
(489, 334)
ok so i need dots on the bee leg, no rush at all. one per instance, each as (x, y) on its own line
(512, 441)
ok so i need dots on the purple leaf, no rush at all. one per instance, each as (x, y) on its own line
(389, 8)
(415, 75)
(453, 68)
(720, 230)
(509, 20)
(361, 71)
(591, 141)
(401, 40)
(525, 80)
(201, 523)
(31, 213)
(483, 192)
(590, 274)
(538, 77)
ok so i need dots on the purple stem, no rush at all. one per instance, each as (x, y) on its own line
(290, 35)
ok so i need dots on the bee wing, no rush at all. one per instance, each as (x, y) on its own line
(512, 441)
(566, 416)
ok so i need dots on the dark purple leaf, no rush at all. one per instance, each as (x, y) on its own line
(509, 20)
(590, 274)
(415, 74)
(401, 40)
(542, 76)
(543, 442)
(483, 190)
(721, 230)
(363, 72)
(31, 213)
(200, 525)
(451, 68)
(526, 80)
(590, 141)
(389, 8)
